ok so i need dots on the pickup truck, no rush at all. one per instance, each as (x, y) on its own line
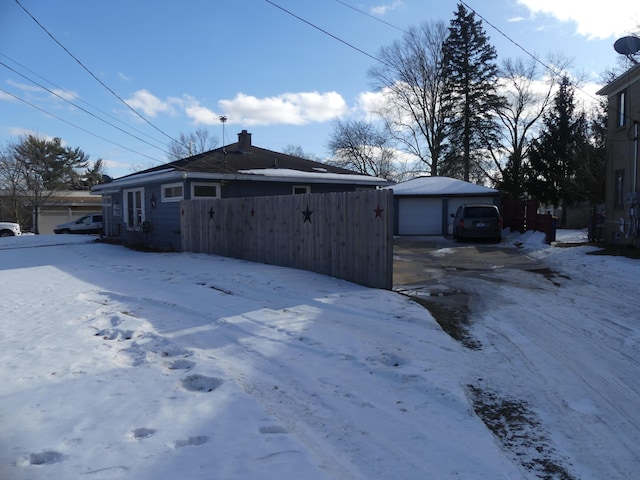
(9, 229)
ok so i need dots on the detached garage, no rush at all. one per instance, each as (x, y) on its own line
(423, 205)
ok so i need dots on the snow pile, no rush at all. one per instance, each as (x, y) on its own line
(123, 364)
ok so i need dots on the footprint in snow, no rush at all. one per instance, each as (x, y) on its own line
(200, 383)
(115, 334)
(191, 441)
(180, 364)
(142, 433)
(45, 458)
(272, 429)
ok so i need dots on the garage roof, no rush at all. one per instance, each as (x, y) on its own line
(440, 186)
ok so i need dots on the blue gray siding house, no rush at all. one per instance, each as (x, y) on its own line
(144, 207)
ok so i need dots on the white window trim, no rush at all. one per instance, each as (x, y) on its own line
(206, 184)
(307, 188)
(125, 210)
(171, 185)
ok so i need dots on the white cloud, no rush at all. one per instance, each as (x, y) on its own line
(149, 104)
(370, 102)
(382, 9)
(593, 19)
(289, 108)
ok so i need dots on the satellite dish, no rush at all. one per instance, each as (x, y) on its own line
(627, 46)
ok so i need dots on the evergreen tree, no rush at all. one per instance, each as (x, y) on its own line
(45, 168)
(556, 156)
(470, 72)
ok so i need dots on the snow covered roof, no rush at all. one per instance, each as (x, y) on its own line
(440, 186)
(315, 175)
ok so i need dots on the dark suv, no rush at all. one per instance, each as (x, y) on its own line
(477, 221)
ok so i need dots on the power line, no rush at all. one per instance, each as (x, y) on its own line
(76, 126)
(92, 74)
(71, 94)
(372, 16)
(325, 32)
(536, 59)
(80, 108)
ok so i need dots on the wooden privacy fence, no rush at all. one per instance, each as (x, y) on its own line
(348, 235)
(522, 215)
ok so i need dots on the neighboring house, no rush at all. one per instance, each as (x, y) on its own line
(622, 179)
(423, 205)
(145, 206)
(59, 208)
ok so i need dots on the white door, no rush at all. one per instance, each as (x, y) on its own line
(419, 216)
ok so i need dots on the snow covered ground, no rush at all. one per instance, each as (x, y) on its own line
(123, 364)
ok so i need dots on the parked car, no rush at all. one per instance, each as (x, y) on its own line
(477, 221)
(9, 229)
(86, 224)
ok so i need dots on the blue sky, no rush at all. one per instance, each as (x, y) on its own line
(183, 64)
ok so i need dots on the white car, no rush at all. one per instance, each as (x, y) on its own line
(86, 224)
(9, 229)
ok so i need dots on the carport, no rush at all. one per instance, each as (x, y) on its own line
(423, 205)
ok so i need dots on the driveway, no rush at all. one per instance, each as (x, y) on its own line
(453, 279)
(422, 262)
(554, 349)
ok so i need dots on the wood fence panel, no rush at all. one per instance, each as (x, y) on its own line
(347, 235)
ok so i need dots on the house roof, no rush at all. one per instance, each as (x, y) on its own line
(242, 161)
(620, 83)
(440, 186)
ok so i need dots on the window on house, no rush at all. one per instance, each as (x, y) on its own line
(172, 192)
(205, 190)
(622, 108)
(134, 208)
(618, 199)
(301, 189)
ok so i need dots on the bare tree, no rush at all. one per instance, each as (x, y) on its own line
(297, 151)
(527, 98)
(192, 143)
(11, 202)
(411, 81)
(357, 145)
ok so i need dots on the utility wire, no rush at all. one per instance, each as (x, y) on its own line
(552, 70)
(76, 126)
(92, 74)
(372, 16)
(81, 108)
(71, 94)
(325, 32)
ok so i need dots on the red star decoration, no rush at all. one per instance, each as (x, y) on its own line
(379, 211)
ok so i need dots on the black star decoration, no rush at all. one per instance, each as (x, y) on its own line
(307, 215)
(379, 211)
(211, 212)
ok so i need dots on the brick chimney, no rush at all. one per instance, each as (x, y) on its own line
(244, 141)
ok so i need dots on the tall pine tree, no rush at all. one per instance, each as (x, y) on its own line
(471, 73)
(556, 155)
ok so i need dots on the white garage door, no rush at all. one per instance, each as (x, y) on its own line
(419, 216)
